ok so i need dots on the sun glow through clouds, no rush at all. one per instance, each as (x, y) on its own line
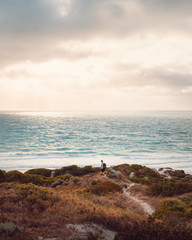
(102, 55)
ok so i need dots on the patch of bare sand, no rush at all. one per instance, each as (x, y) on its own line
(81, 231)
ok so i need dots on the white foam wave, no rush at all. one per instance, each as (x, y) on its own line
(28, 161)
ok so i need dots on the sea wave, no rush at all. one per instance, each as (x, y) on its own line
(51, 140)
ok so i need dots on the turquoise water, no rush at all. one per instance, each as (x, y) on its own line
(52, 140)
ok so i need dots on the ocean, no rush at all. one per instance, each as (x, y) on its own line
(56, 139)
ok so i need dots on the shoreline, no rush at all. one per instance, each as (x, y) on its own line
(24, 170)
(25, 162)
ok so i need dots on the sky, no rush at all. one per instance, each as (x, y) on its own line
(101, 55)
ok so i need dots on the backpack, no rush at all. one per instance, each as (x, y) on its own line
(104, 166)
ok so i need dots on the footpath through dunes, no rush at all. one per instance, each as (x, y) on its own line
(136, 198)
(146, 207)
(109, 188)
(84, 204)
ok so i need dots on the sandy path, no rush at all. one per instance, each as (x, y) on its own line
(146, 207)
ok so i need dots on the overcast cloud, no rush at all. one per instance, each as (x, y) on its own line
(124, 52)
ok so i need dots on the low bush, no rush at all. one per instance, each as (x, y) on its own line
(57, 183)
(170, 207)
(61, 180)
(103, 188)
(111, 173)
(75, 170)
(169, 188)
(16, 176)
(140, 172)
(148, 172)
(39, 180)
(40, 171)
(65, 177)
(126, 169)
(179, 174)
(33, 194)
(152, 230)
(175, 208)
(135, 167)
(2, 176)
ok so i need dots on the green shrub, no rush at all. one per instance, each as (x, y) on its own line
(75, 170)
(33, 194)
(2, 176)
(169, 188)
(179, 174)
(150, 173)
(62, 180)
(123, 168)
(170, 208)
(103, 188)
(135, 167)
(126, 169)
(65, 177)
(180, 209)
(111, 173)
(16, 176)
(155, 231)
(40, 171)
(140, 172)
(38, 179)
(88, 169)
(8, 185)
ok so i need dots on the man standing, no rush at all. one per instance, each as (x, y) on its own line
(103, 166)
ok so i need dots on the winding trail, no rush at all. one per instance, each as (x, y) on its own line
(146, 207)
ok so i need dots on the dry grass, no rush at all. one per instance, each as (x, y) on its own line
(76, 207)
(44, 212)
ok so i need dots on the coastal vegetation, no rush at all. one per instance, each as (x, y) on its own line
(40, 205)
(39, 171)
(103, 188)
(75, 170)
(170, 188)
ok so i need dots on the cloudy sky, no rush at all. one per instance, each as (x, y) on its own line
(95, 54)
